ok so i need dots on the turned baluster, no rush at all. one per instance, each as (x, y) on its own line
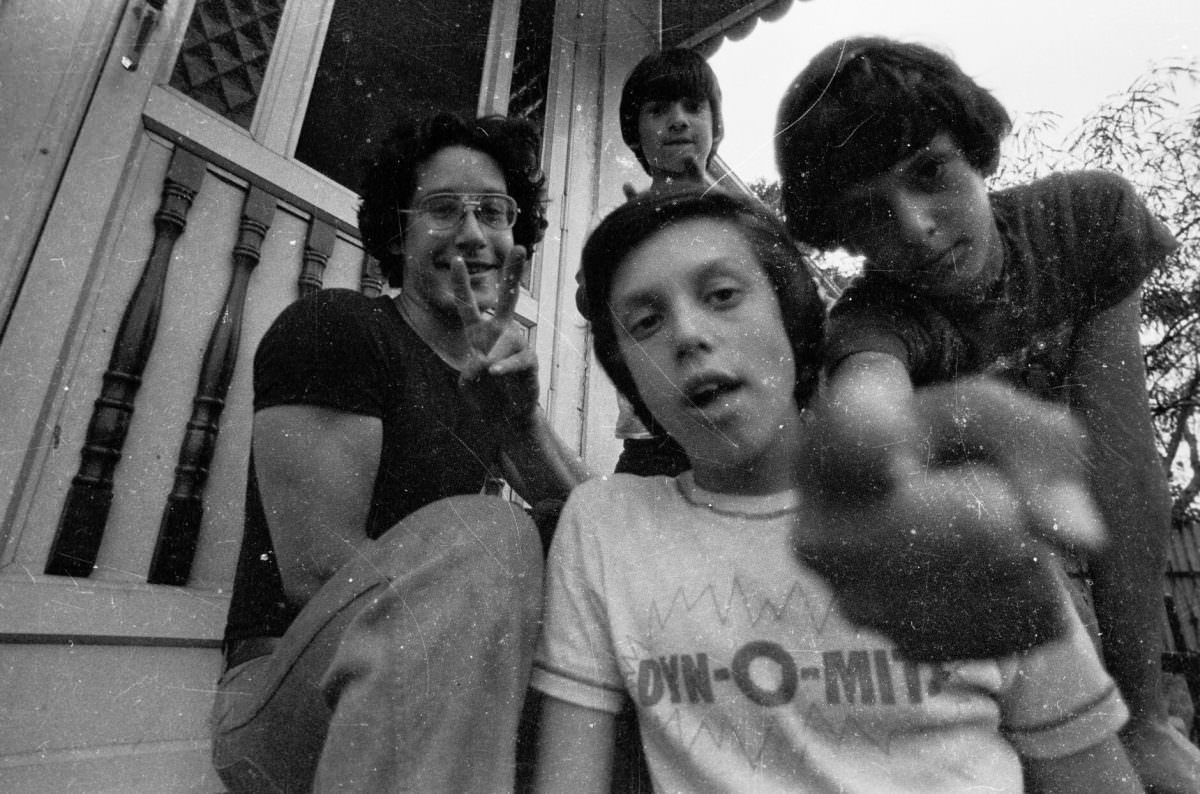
(85, 512)
(317, 250)
(179, 529)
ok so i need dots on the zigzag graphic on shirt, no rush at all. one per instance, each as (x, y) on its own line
(753, 742)
(797, 605)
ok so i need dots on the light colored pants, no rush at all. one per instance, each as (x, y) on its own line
(406, 672)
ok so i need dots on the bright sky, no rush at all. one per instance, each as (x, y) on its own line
(1065, 56)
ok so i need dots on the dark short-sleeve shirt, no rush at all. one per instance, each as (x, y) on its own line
(1075, 244)
(339, 349)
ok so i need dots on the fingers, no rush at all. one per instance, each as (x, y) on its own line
(464, 298)
(523, 360)
(1039, 446)
(942, 566)
(863, 440)
(510, 283)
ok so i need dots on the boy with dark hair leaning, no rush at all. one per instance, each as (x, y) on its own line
(671, 120)
(884, 148)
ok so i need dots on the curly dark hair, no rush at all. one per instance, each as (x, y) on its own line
(860, 106)
(633, 223)
(676, 73)
(391, 177)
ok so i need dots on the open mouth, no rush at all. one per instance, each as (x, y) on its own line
(479, 268)
(704, 393)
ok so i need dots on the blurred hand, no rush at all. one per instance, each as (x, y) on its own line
(500, 379)
(934, 525)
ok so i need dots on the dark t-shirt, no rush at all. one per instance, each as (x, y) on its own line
(1075, 244)
(341, 350)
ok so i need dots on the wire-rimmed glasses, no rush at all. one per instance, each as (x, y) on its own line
(445, 211)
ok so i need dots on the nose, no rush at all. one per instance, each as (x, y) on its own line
(470, 232)
(691, 332)
(677, 118)
(915, 218)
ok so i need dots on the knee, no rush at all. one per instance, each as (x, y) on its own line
(492, 538)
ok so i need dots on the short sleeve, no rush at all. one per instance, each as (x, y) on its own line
(576, 660)
(1061, 699)
(324, 350)
(1124, 241)
(878, 316)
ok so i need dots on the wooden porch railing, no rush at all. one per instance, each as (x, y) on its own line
(80, 531)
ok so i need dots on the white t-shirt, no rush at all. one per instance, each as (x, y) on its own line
(747, 678)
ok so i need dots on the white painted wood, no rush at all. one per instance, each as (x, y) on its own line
(110, 678)
(44, 93)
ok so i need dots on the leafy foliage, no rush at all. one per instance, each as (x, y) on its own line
(1151, 136)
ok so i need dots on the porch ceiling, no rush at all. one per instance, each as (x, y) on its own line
(704, 25)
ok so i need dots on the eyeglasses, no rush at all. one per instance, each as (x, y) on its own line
(444, 211)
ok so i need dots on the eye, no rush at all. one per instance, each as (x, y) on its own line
(642, 322)
(655, 107)
(724, 296)
(929, 172)
(692, 106)
(442, 209)
(496, 212)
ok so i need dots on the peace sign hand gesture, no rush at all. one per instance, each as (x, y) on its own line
(500, 374)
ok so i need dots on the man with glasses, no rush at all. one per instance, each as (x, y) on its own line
(385, 607)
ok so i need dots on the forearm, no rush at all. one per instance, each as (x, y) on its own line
(1100, 769)
(540, 466)
(1127, 577)
(1130, 487)
(575, 749)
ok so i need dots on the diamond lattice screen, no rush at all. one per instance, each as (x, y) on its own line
(225, 54)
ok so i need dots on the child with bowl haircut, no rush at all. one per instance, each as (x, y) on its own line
(685, 596)
(671, 120)
(884, 148)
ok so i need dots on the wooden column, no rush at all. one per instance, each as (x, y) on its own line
(81, 525)
(179, 529)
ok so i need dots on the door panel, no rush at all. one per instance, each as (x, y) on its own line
(44, 93)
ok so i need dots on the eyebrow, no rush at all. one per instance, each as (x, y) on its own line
(716, 266)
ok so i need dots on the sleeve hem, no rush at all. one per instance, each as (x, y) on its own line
(1080, 729)
(578, 691)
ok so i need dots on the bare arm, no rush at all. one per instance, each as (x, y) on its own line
(575, 749)
(1110, 395)
(1130, 486)
(502, 381)
(1100, 769)
(316, 472)
(538, 465)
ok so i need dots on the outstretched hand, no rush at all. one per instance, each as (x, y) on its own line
(934, 526)
(500, 376)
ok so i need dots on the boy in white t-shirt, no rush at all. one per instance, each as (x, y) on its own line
(686, 595)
